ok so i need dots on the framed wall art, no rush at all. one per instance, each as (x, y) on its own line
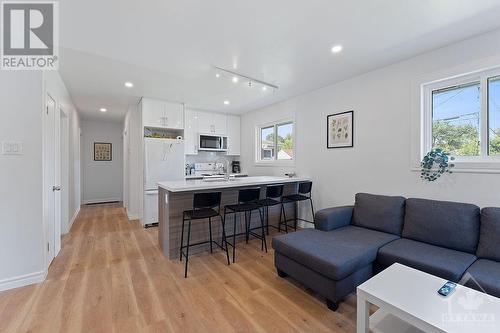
(340, 130)
(103, 151)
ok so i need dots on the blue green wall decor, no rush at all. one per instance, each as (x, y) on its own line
(435, 164)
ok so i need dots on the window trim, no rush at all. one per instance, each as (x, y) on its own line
(463, 163)
(258, 143)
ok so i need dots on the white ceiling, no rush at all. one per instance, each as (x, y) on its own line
(167, 48)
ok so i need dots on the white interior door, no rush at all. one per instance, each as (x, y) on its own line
(49, 182)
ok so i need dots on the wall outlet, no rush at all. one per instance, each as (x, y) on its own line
(12, 148)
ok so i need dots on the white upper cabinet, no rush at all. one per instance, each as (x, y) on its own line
(211, 123)
(191, 132)
(174, 113)
(233, 135)
(204, 122)
(219, 123)
(161, 114)
(196, 122)
(153, 113)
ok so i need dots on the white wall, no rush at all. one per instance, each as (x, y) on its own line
(102, 180)
(22, 250)
(384, 109)
(21, 233)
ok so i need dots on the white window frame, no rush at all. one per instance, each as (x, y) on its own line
(258, 144)
(463, 163)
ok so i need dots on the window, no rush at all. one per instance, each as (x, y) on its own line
(494, 116)
(462, 116)
(267, 143)
(456, 119)
(276, 142)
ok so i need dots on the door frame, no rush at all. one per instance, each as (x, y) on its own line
(49, 240)
(65, 170)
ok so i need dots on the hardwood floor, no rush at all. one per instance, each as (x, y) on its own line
(110, 276)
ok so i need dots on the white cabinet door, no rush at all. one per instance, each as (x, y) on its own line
(211, 123)
(191, 132)
(233, 135)
(174, 115)
(150, 207)
(153, 113)
(219, 123)
(205, 123)
(161, 114)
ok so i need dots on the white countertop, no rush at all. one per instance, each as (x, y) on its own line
(197, 185)
(232, 174)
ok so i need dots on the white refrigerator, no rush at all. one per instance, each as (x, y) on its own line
(164, 160)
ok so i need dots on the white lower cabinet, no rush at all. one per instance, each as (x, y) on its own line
(150, 213)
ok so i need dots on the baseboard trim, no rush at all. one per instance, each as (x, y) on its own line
(97, 201)
(132, 216)
(22, 280)
(75, 216)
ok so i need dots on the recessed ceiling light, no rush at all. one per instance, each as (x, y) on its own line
(103, 109)
(217, 75)
(129, 84)
(264, 88)
(226, 102)
(235, 79)
(336, 48)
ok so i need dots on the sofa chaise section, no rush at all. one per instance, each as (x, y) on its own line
(337, 256)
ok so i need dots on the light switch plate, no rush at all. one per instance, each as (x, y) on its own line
(12, 148)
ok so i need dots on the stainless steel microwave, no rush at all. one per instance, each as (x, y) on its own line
(212, 142)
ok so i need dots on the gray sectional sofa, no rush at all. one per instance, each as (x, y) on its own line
(349, 244)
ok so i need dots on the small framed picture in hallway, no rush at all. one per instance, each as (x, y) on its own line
(103, 151)
(340, 129)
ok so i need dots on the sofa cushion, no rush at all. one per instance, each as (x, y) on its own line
(489, 237)
(379, 212)
(445, 263)
(484, 275)
(334, 254)
(442, 223)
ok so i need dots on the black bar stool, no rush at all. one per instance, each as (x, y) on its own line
(303, 194)
(205, 206)
(248, 201)
(274, 197)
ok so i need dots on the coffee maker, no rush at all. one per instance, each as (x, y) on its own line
(236, 167)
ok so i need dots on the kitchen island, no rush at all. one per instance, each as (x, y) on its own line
(177, 196)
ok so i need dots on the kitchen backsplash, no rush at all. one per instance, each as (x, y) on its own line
(207, 156)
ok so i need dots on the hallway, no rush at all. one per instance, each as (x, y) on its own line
(111, 277)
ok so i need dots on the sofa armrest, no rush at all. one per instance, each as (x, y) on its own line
(333, 218)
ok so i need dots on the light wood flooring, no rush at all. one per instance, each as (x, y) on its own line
(110, 276)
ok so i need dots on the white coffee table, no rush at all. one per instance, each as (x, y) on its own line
(408, 302)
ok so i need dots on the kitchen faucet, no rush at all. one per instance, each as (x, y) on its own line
(225, 170)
